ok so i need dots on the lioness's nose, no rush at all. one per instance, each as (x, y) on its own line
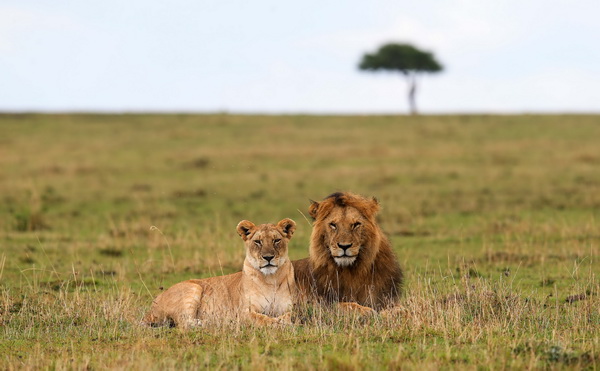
(344, 246)
(268, 257)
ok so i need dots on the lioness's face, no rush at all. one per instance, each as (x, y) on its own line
(344, 234)
(267, 244)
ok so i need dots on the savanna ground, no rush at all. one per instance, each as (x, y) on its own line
(494, 219)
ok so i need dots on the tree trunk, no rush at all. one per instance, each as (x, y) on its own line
(412, 89)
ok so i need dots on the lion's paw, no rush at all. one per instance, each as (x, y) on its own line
(357, 309)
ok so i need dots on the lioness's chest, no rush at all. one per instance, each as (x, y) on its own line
(270, 302)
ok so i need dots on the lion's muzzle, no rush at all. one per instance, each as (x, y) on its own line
(344, 254)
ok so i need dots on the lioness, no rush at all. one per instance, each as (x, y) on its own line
(350, 259)
(262, 291)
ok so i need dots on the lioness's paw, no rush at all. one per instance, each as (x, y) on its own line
(285, 319)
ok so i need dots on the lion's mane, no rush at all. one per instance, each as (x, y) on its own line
(374, 279)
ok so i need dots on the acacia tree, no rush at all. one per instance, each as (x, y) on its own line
(405, 59)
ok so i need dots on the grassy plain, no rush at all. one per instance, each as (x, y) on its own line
(494, 218)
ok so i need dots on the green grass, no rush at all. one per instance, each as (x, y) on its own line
(494, 219)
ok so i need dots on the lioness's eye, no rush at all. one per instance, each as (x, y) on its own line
(333, 226)
(276, 241)
(356, 225)
(257, 243)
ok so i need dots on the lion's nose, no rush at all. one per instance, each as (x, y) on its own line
(268, 257)
(344, 246)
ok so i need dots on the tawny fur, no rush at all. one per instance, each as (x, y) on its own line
(260, 292)
(369, 276)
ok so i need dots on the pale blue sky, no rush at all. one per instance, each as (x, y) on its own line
(284, 57)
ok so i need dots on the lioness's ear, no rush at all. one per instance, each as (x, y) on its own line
(244, 228)
(288, 226)
(313, 208)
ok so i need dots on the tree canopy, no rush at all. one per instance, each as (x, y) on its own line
(405, 59)
(400, 57)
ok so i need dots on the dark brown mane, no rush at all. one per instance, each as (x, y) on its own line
(374, 280)
(343, 199)
(367, 207)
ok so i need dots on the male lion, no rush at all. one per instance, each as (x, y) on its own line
(264, 289)
(350, 259)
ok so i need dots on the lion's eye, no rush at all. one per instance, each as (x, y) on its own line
(356, 225)
(276, 241)
(258, 243)
(333, 226)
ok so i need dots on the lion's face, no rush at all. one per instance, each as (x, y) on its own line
(343, 235)
(344, 225)
(267, 244)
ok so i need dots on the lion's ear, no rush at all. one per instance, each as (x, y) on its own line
(244, 228)
(288, 226)
(373, 206)
(313, 209)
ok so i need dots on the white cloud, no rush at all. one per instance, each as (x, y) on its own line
(18, 24)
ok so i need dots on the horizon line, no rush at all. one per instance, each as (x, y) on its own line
(295, 113)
